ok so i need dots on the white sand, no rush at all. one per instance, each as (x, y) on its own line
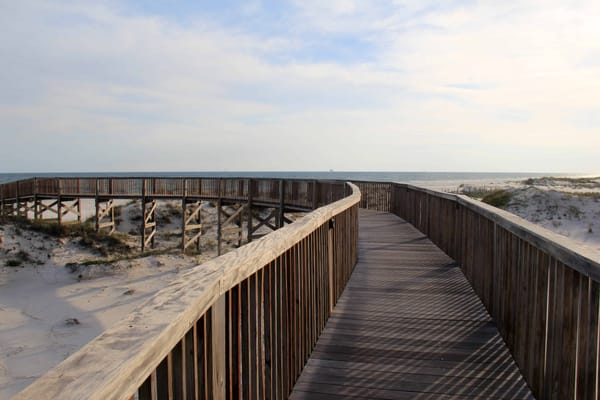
(48, 312)
(38, 305)
(569, 208)
(576, 217)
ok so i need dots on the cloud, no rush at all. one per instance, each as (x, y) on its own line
(345, 84)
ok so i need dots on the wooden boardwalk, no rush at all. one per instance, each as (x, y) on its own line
(408, 326)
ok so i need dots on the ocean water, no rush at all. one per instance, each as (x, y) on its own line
(427, 179)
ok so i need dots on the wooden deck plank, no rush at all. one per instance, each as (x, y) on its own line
(408, 325)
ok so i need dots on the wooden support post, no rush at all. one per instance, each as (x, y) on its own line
(2, 205)
(330, 255)
(35, 198)
(218, 338)
(29, 208)
(250, 184)
(393, 209)
(59, 212)
(148, 223)
(183, 216)
(183, 221)
(18, 200)
(105, 211)
(235, 218)
(79, 217)
(143, 227)
(315, 199)
(20, 208)
(97, 219)
(192, 221)
(219, 235)
(36, 215)
(97, 203)
(240, 224)
(59, 204)
(281, 215)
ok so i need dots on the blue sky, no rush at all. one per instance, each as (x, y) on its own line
(300, 85)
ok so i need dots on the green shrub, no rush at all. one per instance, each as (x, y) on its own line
(476, 192)
(21, 257)
(13, 262)
(49, 228)
(104, 243)
(498, 198)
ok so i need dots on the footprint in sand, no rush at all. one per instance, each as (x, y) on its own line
(14, 350)
(66, 327)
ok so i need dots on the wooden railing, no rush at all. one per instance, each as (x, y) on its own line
(239, 326)
(304, 194)
(375, 195)
(541, 289)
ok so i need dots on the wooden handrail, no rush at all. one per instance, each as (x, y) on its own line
(210, 331)
(265, 189)
(583, 259)
(542, 289)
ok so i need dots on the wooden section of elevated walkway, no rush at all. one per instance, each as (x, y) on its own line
(408, 326)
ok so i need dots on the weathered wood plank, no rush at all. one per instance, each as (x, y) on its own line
(408, 324)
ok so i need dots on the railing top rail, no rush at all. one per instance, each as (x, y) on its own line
(117, 362)
(137, 182)
(447, 196)
(181, 178)
(377, 182)
(577, 256)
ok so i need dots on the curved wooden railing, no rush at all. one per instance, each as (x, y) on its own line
(294, 193)
(239, 326)
(541, 289)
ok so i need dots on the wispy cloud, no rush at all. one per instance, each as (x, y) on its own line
(253, 85)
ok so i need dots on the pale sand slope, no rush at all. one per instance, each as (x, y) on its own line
(39, 305)
(48, 310)
(569, 207)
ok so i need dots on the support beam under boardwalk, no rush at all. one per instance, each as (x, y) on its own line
(408, 326)
(191, 224)
(229, 222)
(148, 223)
(105, 215)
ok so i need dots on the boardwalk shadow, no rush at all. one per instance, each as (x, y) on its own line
(409, 326)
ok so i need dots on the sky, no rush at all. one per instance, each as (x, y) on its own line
(311, 85)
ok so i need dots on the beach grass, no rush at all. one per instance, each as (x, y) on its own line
(595, 181)
(89, 237)
(498, 198)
